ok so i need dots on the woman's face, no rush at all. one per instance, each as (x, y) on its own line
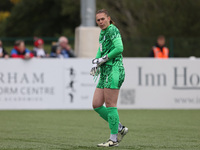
(102, 20)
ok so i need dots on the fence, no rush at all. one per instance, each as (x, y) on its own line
(133, 47)
(179, 47)
(8, 42)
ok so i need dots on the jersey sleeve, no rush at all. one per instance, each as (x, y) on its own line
(98, 53)
(117, 42)
(13, 52)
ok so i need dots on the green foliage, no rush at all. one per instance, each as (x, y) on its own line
(77, 129)
(42, 18)
(134, 18)
(5, 5)
(139, 21)
(155, 17)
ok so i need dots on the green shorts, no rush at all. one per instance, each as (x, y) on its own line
(111, 77)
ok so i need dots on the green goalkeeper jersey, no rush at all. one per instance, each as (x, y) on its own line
(110, 43)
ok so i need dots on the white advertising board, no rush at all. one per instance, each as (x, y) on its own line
(156, 83)
(46, 84)
(66, 84)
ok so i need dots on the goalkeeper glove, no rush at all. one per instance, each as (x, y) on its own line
(96, 63)
(94, 70)
(100, 61)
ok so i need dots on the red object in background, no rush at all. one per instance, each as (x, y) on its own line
(21, 56)
(38, 42)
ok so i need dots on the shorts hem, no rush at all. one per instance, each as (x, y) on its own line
(108, 88)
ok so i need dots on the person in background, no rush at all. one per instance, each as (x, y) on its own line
(38, 50)
(58, 53)
(54, 45)
(160, 50)
(20, 51)
(3, 53)
(66, 49)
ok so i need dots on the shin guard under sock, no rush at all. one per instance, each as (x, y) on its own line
(113, 119)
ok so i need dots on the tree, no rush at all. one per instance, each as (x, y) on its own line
(42, 18)
(151, 18)
(139, 21)
(133, 17)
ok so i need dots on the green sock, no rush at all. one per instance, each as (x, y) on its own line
(102, 111)
(113, 119)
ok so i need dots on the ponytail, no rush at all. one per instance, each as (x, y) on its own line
(112, 22)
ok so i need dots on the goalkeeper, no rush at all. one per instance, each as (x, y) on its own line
(108, 63)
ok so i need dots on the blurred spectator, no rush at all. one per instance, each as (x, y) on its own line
(160, 50)
(66, 49)
(3, 53)
(54, 45)
(20, 51)
(38, 50)
(58, 53)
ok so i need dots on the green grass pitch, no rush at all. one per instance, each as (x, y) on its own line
(83, 129)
